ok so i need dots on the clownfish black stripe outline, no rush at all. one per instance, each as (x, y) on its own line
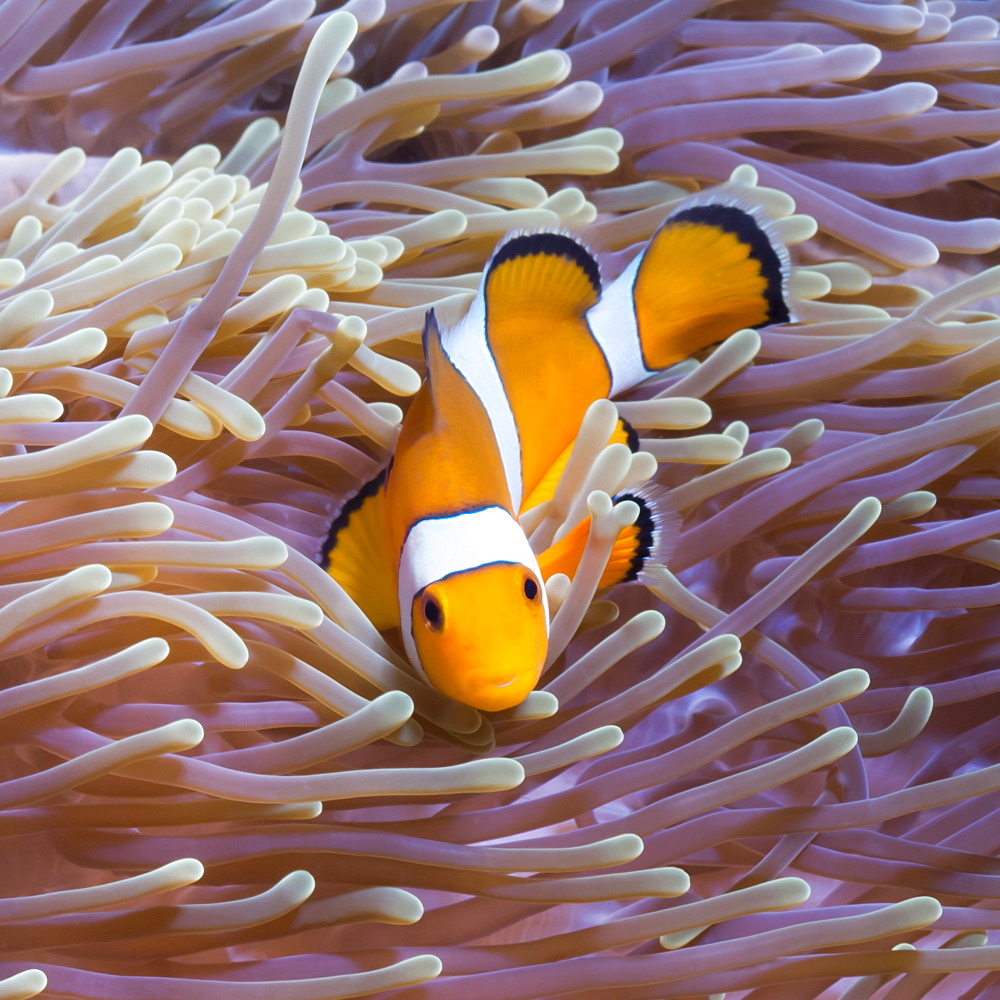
(352, 504)
(553, 243)
(744, 225)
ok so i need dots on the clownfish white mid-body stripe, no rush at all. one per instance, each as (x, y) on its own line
(432, 549)
(466, 347)
(440, 547)
(613, 325)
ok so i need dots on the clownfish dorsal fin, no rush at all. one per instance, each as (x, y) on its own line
(446, 388)
(448, 429)
(358, 557)
(624, 433)
(443, 382)
(649, 540)
(711, 269)
(535, 295)
(434, 355)
(536, 273)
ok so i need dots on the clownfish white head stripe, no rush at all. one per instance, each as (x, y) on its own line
(436, 547)
(466, 582)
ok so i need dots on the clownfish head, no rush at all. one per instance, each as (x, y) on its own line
(481, 634)
(473, 612)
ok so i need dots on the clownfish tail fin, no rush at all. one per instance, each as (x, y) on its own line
(752, 228)
(532, 273)
(356, 555)
(711, 269)
(650, 540)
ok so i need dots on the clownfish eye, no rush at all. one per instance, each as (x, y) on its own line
(530, 588)
(433, 615)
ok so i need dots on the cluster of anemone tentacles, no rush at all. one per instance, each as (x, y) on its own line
(770, 774)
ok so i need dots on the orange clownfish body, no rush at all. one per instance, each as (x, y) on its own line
(433, 546)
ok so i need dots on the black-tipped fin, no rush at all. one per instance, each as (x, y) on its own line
(711, 269)
(533, 273)
(357, 557)
(649, 540)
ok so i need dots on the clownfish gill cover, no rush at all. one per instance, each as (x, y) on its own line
(439, 547)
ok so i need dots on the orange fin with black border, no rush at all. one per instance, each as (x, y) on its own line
(711, 269)
(543, 492)
(537, 273)
(357, 556)
(650, 540)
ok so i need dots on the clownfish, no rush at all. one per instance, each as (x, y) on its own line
(433, 545)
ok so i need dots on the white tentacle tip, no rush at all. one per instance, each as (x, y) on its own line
(25, 984)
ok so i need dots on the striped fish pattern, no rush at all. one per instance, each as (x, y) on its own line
(433, 547)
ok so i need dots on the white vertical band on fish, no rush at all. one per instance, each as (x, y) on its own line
(465, 344)
(613, 324)
(439, 547)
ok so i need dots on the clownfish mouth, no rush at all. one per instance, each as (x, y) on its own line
(497, 682)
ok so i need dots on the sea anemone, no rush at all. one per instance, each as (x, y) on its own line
(771, 772)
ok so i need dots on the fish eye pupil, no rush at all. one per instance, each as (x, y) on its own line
(432, 613)
(530, 588)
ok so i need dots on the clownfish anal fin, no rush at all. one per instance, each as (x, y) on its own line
(709, 270)
(357, 556)
(649, 540)
(538, 273)
(546, 488)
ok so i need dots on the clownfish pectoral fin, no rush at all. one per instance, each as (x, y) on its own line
(649, 540)
(624, 434)
(711, 269)
(356, 554)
